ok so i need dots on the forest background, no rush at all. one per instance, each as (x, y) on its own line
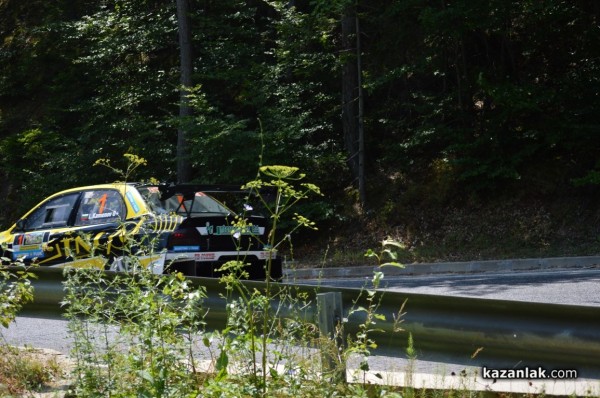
(464, 129)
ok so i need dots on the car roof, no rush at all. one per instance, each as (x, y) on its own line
(136, 206)
(120, 186)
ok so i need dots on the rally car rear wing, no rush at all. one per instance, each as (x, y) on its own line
(189, 190)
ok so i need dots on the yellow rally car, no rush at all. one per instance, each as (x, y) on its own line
(168, 228)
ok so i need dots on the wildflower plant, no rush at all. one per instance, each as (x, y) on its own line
(16, 290)
(254, 324)
(366, 306)
(133, 163)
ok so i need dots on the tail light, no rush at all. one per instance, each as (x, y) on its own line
(184, 239)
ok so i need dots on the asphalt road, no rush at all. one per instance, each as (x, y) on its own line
(577, 287)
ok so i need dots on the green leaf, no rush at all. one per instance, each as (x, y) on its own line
(145, 375)
(364, 366)
(222, 362)
(395, 243)
(380, 317)
(370, 253)
(393, 264)
(391, 254)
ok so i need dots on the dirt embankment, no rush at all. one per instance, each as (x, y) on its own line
(568, 226)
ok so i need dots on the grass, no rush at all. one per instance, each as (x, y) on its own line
(32, 371)
(26, 370)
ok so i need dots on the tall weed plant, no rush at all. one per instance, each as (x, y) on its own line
(133, 332)
(266, 326)
(16, 289)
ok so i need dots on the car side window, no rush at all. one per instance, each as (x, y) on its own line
(54, 213)
(99, 207)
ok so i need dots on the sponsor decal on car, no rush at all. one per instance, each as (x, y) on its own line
(222, 230)
(95, 216)
(30, 245)
(205, 256)
(186, 248)
(132, 202)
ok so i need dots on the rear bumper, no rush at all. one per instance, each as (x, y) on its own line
(218, 256)
(207, 264)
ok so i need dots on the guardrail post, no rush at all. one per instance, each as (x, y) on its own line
(329, 313)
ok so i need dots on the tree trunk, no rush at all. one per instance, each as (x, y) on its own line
(362, 190)
(352, 99)
(185, 110)
(349, 88)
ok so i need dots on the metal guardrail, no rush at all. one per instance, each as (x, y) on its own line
(447, 329)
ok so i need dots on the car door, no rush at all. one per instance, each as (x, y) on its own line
(69, 226)
(97, 218)
(33, 232)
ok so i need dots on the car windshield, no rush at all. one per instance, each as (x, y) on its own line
(201, 203)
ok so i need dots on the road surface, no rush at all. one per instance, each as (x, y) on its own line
(576, 287)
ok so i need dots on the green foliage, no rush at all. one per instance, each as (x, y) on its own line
(18, 372)
(390, 249)
(133, 332)
(300, 101)
(129, 51)
(221, 145)
(469, 86)
(504, 93)
(28, 157)
(591, 178)
(133, 163)
(364, 342)
(15, 291)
